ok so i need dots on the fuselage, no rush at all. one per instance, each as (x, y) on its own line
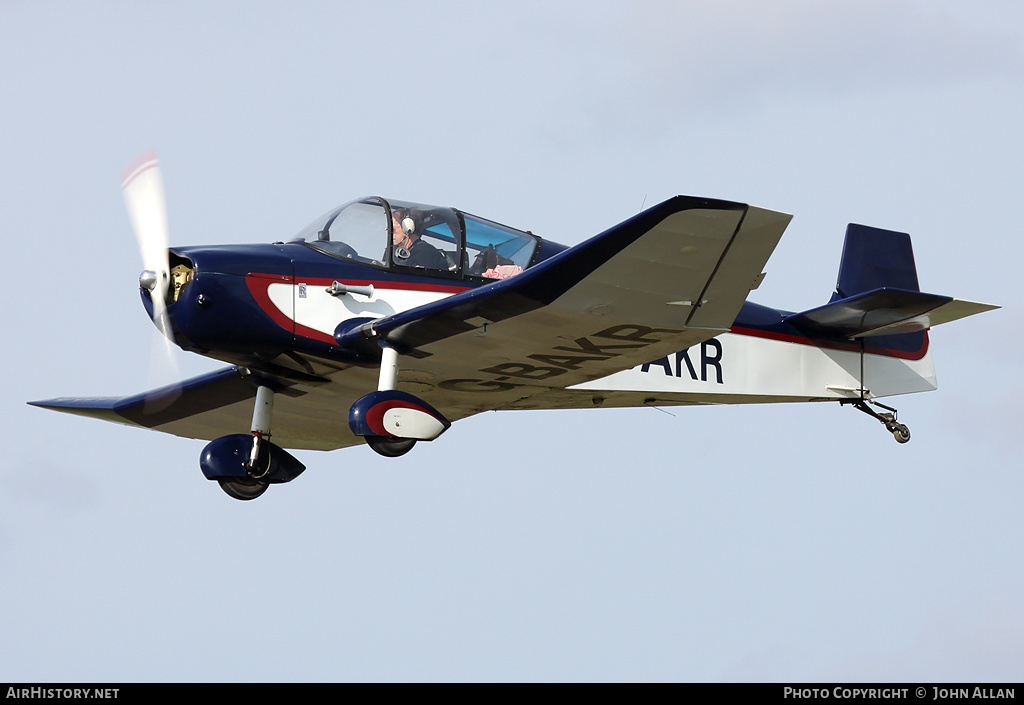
(280, 304)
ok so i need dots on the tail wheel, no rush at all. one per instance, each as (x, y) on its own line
(899, 431)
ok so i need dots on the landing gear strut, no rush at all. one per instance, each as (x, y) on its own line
(258, 464)
(887, 418)
(388, 381)
(244, 465)
(391, 421)
(257, 467)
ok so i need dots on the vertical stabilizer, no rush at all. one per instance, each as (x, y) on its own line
(874, 259)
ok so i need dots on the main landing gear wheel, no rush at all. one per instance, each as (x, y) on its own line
(242, 489)
(390, 447)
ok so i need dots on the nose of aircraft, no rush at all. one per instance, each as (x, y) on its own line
(207, 304)
(161, 289)
(199, 297)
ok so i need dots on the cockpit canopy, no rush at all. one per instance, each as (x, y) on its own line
(428, 239)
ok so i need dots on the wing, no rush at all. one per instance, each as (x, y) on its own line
(221, 403)
(669, 278)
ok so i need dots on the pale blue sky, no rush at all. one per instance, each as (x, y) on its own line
(761, 543)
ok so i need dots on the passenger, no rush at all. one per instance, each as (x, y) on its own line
(409, 249)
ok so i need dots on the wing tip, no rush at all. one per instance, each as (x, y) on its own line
(93, 407)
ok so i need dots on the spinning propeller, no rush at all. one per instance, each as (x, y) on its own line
(143, 189)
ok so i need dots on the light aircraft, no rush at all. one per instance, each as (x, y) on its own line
(385, 321)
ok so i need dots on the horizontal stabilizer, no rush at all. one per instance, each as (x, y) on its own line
(883, 311)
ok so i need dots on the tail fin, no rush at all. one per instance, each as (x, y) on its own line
(875, 259)
(877, 292)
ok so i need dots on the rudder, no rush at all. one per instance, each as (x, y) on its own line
(874, 259)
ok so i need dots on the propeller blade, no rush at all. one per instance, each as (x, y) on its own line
(143, 189)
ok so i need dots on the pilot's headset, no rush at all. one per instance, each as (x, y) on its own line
(408, 225)
(406, 220)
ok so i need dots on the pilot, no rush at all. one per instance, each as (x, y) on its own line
(409, 249)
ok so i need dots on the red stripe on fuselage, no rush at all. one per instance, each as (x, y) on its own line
(388, 284)
(259, 284)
